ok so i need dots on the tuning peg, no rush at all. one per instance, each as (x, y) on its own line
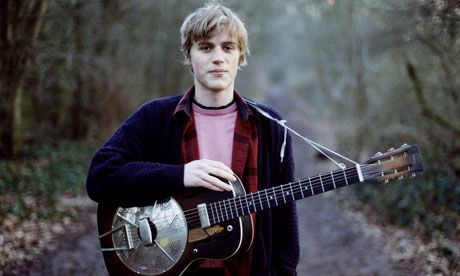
(377, 154)
(386, 181)
(401, 177)
(390, 149)
(412, 175)
(405, 145)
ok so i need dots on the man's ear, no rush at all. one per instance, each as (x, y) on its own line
(188, 63)
(242, 61)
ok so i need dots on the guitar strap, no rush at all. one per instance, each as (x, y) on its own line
(318, 147)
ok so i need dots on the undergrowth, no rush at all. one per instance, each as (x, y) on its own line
(428, 206)
(31, 185)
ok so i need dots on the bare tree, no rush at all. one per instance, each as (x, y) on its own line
(20, 23)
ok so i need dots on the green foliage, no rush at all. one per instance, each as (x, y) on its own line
(34, 183)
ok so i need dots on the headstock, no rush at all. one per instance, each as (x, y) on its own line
(395, 163)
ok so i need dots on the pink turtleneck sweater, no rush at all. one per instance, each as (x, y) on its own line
(215, 129)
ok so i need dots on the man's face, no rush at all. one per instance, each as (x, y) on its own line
(215, 62)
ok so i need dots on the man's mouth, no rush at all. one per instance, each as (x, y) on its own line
(218, 71)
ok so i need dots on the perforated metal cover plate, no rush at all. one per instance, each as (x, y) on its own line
(169, 243)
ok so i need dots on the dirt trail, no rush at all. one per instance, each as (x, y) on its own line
(331, 242)
(77, 253)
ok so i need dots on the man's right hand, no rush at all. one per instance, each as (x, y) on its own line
(202, 173)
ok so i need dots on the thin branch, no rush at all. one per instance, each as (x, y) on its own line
(428, 112)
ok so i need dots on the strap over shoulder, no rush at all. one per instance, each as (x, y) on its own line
(320, 148)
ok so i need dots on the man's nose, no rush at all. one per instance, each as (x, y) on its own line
(218, 55)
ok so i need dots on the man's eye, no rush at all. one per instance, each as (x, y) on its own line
(205, 48)
(229, 48)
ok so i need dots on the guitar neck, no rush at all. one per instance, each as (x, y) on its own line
(231, 208)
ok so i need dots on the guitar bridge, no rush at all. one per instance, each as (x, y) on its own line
(204, 216)
(127, 237)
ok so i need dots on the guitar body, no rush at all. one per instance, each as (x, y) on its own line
(178, 242)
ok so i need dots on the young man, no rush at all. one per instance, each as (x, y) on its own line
(203, 138)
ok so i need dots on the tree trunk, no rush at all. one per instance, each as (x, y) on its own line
(19, 26)
(78, 127)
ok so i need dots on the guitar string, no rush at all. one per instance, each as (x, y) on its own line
(288, 193)
(235, 205)
(296, 190)
(316, 182)
(278, 192)
(234, 210)
(363, 168)
(228, 202)
(325, 174)
(192, 215)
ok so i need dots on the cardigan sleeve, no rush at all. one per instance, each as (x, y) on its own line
(285, 234)
(120, 172)
(285, 226)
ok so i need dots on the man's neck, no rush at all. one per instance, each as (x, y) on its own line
(213, 98)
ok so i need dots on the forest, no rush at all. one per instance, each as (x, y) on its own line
(382, 73)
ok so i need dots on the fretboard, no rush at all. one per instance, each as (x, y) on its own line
(231, 208)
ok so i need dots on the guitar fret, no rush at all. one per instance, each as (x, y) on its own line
(345, 175)
(212, 214)
(333, 181)
(230, 208)
(208, 209)
(321, 180)
(268, 200)
(311, 187)
(219, 209)
(226, 210)
(292, 192)
(241, 206)
(301, 190)
(282, 192)
(216, 213)
(213, 205)
(227, 207)
(236, 208)
(247, 205)
(260, 201)
(273, 196)
(253, 203)
(221, 212)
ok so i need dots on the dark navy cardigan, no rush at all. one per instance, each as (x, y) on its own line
(141, 162)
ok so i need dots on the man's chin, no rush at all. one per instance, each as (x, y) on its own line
(218, 88)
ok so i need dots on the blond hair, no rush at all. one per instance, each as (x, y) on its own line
(206, 21)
